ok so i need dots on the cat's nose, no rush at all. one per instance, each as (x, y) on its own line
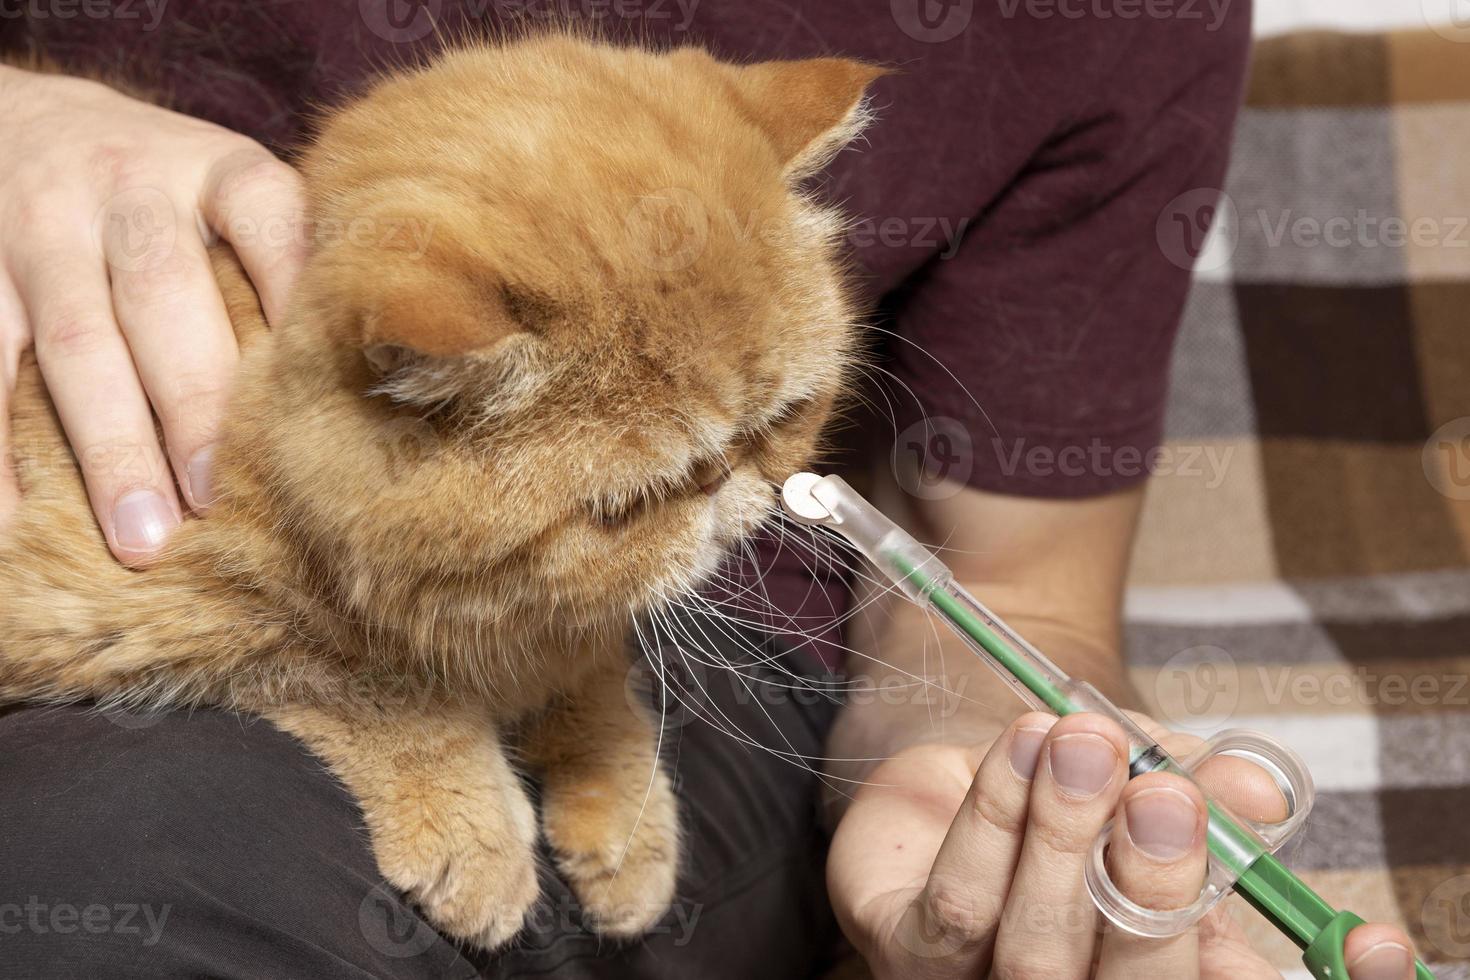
(713, 486)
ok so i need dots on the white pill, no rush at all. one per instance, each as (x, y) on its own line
(796, 496)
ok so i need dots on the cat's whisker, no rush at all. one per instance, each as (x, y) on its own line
(719, 621)
(658, 748)
(705, 605)
(675, 631)
(807, 761)
(912, 680)
(940, 364)
(790, 757)
(880, 590)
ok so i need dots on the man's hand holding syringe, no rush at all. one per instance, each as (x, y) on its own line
(1041, 781)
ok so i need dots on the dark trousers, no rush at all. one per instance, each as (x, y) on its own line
(206, 844)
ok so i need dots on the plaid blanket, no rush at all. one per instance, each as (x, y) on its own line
(1302, 567)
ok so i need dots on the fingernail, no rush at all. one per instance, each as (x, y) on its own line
(1386, 961)
(1162, 823)
(1082, 764)
(1026, 750)
(142, 521)
(201, 477)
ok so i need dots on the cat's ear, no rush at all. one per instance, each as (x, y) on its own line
(809, 109)
(417, 311)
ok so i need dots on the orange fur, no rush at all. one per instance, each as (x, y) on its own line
(467, 460)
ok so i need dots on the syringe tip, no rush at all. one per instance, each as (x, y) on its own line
(796, 497)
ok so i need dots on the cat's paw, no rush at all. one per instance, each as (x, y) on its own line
(473, 878)
(620, 855)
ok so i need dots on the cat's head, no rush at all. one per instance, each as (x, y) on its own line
(570, 318)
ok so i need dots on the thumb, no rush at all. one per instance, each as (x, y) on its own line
(1379, 952)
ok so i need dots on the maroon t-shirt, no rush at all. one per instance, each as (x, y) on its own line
(1024, 204)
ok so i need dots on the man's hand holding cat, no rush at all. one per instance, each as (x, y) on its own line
(108, 204)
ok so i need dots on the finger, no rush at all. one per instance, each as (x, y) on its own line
(1244, 787)
(174, 320)
(951, 926)
(258, 204)
(1379, 952)
(94, 385)
(1156, 857)
(1050, 926)
(12, 324)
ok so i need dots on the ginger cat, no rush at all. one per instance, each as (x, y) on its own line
(458, 470)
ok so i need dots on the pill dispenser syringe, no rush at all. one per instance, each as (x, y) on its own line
(1241, 851)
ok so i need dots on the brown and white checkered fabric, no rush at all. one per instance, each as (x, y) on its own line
(1304, 563)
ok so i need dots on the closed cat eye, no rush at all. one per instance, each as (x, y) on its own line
(705, 475)
(613, 516)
